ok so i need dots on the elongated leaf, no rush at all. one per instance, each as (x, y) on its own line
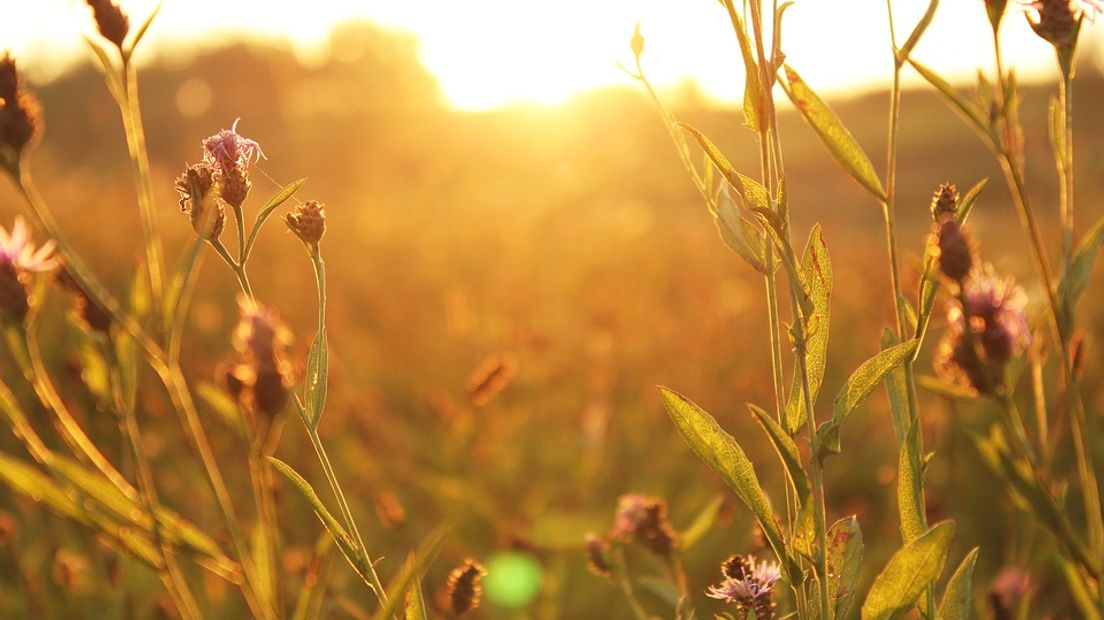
(263, 567)
(280, 198)
(845, 552)
(740, 235)
(973, 116)
(702, 523)
(841, 144)
(1081, 267)
(414, 607)
(908, 573)
(955, 604)
(107, 68)
(753, 87)
(861, 383)
(909, 486)
(317, 372)
(816, 269)
(427, 551)
(896, 390)
(224, 406)
(344, 542)
(141, 31)
(314, 584)
(786, 448)
(721, 452)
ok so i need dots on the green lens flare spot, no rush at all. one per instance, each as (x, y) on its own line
(513, 579)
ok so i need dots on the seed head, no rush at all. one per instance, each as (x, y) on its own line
(464, 588)
(598, 556)
(944, 202)
(111, 21)
(20, 115)
(955, 250)
(308, 222)
(197, 200)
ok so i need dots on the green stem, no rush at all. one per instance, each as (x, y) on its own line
(139, 156)
(621, 576)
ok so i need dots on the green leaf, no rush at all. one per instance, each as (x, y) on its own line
(221, 403)
(344, 542)
(317, 377)
(739, 234)
(910, 570)
(896, 390)
(841, 144)
(974, 116)
(309, 601)
(753, 88)
(174, 293)
(280, 198)
(816, 271)
(721, 452)
(909, 486)
(861, 383)
(786, 448)
(1081, 267)
(414, 607)
(107, 69)
(141, 32)
(264, 570)
(411, 570)
(702, 523)
(845, 552)
(955, 604)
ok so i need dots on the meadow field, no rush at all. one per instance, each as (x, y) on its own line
(505, 290)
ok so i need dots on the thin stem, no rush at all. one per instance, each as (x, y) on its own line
(621, 576)
(139, 156)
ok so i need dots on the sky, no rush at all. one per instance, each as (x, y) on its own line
(493, 53)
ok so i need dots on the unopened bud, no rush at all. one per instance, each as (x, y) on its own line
(111, 21)
(955, 252)
(944, 202)
(308, 222)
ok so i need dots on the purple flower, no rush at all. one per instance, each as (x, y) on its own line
(748, 583)
(228, 149)
(17, 250)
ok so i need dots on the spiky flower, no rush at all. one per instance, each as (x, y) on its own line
(18, 260)
(308, 222)
(464, 588)
(228, 149)
(261, 339)
(643, 519)
(998, 330)
(111, 21)
(748, 584)
(20, 115)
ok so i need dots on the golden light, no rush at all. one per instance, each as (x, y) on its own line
(491, 53)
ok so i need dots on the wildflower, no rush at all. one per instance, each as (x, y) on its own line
(20, 115)
(998, 331)
(261, 338)
(955, 251)
(308, 222)
(644, 519)
(598, 558)
(1007, 592)
(228, 149)
(464, 588)
(1059, 21)
(944, 202)
(111, 21)
(234, 186)
(18, 260)
(194, 187)
(748, 584)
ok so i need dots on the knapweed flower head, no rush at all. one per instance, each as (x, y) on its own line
(464, 588)
(954, 249)
(308, 222)
(985, 334)
(748, 584)
(262, 375)
(20, 115)
(643, 519)
(1059, 21)
(228, 149)
(197, 200)
(111, 21)
(18, 260)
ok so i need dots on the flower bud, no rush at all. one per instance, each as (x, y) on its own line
(234, 186)
(111, 21)
(20, 115)
(464, 588)
(955, 251)
(944, 202)
(198, 201)
(598, 558)
(308, 222)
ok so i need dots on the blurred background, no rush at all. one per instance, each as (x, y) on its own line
(501, 196)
